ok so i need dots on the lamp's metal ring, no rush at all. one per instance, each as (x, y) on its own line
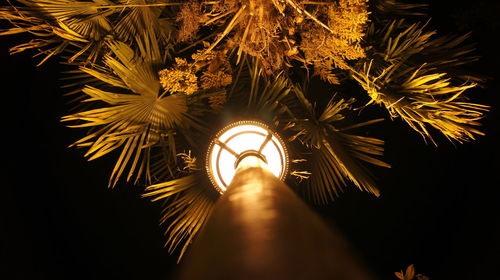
(249, 153)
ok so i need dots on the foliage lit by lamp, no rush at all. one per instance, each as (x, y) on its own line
(155, 76)
(241, 139)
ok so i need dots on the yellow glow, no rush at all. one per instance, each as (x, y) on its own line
(238, 138)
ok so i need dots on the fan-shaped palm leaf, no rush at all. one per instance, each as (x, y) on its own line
(142, 16)
(267, 94)
(336, 155)
(136, 120)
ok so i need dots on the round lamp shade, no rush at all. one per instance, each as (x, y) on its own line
(241, 139)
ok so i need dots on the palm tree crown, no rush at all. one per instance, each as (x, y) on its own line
(158, 78)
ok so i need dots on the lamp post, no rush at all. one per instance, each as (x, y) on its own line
(260, 229)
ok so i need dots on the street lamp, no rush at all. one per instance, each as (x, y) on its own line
(236, 144)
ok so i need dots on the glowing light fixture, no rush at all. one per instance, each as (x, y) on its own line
(239, 140)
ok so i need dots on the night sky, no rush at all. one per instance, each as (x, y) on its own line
(438, 210)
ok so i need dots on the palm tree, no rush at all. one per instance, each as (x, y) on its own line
(154, 79)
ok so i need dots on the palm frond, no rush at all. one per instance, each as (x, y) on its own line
(423, 100)
(138, 74)
(85, 25)
(416, 76)
(390, 8)
(411, 44)
(449, 53)
(60, 24)
(187, 204)
(143, 16)
(133, 121)
(336, 155)
(267, 94)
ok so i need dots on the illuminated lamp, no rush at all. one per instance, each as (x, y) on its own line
(239, 141)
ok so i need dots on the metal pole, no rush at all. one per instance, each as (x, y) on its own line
(260, 229)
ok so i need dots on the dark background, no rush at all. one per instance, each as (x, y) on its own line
(438, 209)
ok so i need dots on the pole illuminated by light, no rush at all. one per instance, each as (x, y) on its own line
(238, 141)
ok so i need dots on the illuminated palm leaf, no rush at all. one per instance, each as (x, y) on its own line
(425, 100)
(336, 155)
(136, 120)
(61, 23)
(137, 17)
(187, 205)
(399, 41)
(84, 25)
(409, 74)
(140, 16)
(267, 94)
